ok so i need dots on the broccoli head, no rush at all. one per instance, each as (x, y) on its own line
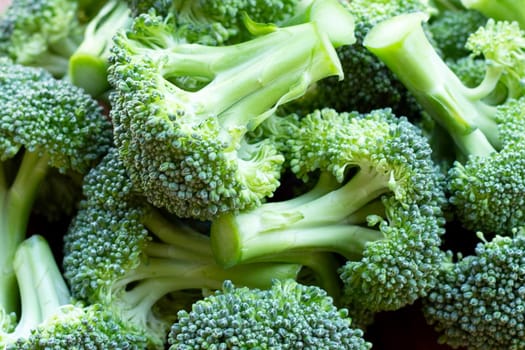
(286, 316)
(377, 202)
(44, 123)
(479, 301)
(181, 111)
(126, 255)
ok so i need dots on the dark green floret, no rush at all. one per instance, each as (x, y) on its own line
(286, 316)
(181, 111)
(50, 318)
(484, 121)
(377, 202)
(479, 302)
(126, 255)
(44, 123)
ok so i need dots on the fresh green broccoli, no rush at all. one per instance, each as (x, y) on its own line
(214, 22)
(181, 111)
(450, 30)
(49, 318)
(506, 10)
(368, 84)
(486, 183)
(89, 62)
(479, 301)
(286, 316)
(391, 246)
(42, 33)
(126, 255)
(44, 123)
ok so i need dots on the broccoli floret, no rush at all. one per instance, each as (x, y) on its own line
(392, 249)
(42, 33)
(479, 301)
(49, 318)
(89, 62)
(181, 111)
(506, 10)
(44, 123)
(368, 84)
(126, 255)
(450, 30)
(286, 316)
(486, 183)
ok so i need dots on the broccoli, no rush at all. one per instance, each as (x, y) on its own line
(368, 84)
(51, 34)
(479, 301)
(487, 180)
(124, 254)
(44, 123)
(450, 30)
(181, 111)
(89, 62)
(214, 22)
(391, 247)
(286, 316)
(507, 10)
(42, 33)
(50, 319)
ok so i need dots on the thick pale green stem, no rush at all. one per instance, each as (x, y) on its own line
(503, 10)
(42, 288)
(15, 211)
(402, 45)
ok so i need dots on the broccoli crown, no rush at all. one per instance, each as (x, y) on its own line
(450, 30)
(478, 302)
(40, 33)
(392, 246)
(82, 327)
(50, 117)
(286, 316)
(368, 83)
(127, 256)
(185, 146)
(487, 191)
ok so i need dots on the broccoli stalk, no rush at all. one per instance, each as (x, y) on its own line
(45, 123)
(487, 131)
(89, 62)
(49, 316)
(504, 10)
(190, 107)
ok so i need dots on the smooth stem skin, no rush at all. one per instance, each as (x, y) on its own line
(502, 10)
(294, 225)
(401, 44)
(250, 79)
(16, 203)
(42, 288)
(88, 64)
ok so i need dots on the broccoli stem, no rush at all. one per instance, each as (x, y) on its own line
(504, 10)
(299, 224)
(42, 288)
(402, 45)
(89, 62)
(16, 208)
(238, 105)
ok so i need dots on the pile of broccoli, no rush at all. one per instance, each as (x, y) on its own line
(261, 174)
